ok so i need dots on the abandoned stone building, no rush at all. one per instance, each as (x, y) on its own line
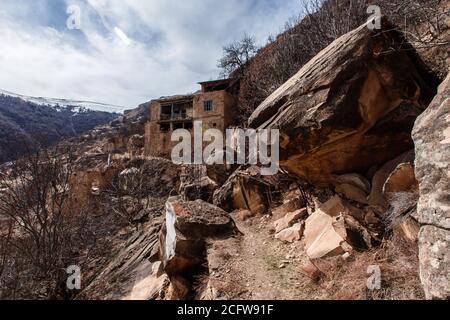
(214, 105)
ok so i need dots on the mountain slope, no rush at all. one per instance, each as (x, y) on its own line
(62, 103)
(24, 123)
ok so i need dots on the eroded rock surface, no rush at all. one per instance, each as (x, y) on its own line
(130, 274)
(244, 189)
(351, 107)
(188, 226)
(432, 138)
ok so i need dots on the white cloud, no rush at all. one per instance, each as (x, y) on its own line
(122, 36)
(127, 51)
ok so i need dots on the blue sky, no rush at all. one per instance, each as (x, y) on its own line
(126, 51)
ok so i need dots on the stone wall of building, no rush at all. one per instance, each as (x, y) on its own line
(158, 143)
(220, 116)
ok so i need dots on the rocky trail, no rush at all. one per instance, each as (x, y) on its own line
(260, 267)
(256, 266)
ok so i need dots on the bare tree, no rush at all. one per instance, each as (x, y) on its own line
(237, 55)
(128, 194)
(43, 223)
(5, 236)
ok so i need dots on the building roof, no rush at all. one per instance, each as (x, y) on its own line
(188, 97)
(175, 98)
(216, 82)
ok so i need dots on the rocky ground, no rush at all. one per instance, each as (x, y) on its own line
(257, 266)
(359, 209)
(348, 205)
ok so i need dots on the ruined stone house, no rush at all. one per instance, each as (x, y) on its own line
(214, 105)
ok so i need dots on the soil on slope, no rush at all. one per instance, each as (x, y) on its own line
(255, 266)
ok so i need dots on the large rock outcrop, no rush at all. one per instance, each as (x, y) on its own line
(244, 189)
(189, 224)
(350, 108)
(432, 138)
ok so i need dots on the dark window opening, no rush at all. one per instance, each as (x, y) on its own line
(166, 112)
(188, 125)
(208, 105)
(164, 127)
(177, 126)
(176, 110)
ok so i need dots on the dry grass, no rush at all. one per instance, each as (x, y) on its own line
(399, 265)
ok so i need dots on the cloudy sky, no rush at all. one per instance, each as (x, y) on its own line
(126, 51)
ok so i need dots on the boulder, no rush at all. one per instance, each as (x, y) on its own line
(289, 219)
(434, 257)
(352, 192)
(219, 173)
(354, 233)
(432, 137)
(355, 180)
(245, 189)
(290, 205)
(410, 229)
(376, 197)
(332, 230)
(351, 107)
(321, 238)
(336, 206)
(202, 188)
(196, 184)
(401, 192)
(291, 234)
(432, 167)
(188, 226)
(402, 179)
(353, 186)
(151, 287)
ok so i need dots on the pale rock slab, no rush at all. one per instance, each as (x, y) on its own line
(288, 220)
(291, 234)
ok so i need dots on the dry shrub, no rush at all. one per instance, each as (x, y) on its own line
(44, 228)
(399, 265)
(200, 282)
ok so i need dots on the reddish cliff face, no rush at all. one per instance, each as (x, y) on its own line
(351, 107)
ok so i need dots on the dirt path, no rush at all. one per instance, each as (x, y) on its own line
(256, 266)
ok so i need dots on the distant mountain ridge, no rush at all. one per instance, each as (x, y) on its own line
(58, 103)
(27, 122)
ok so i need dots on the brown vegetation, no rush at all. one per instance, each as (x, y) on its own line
(43, 227)
(397, 259)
